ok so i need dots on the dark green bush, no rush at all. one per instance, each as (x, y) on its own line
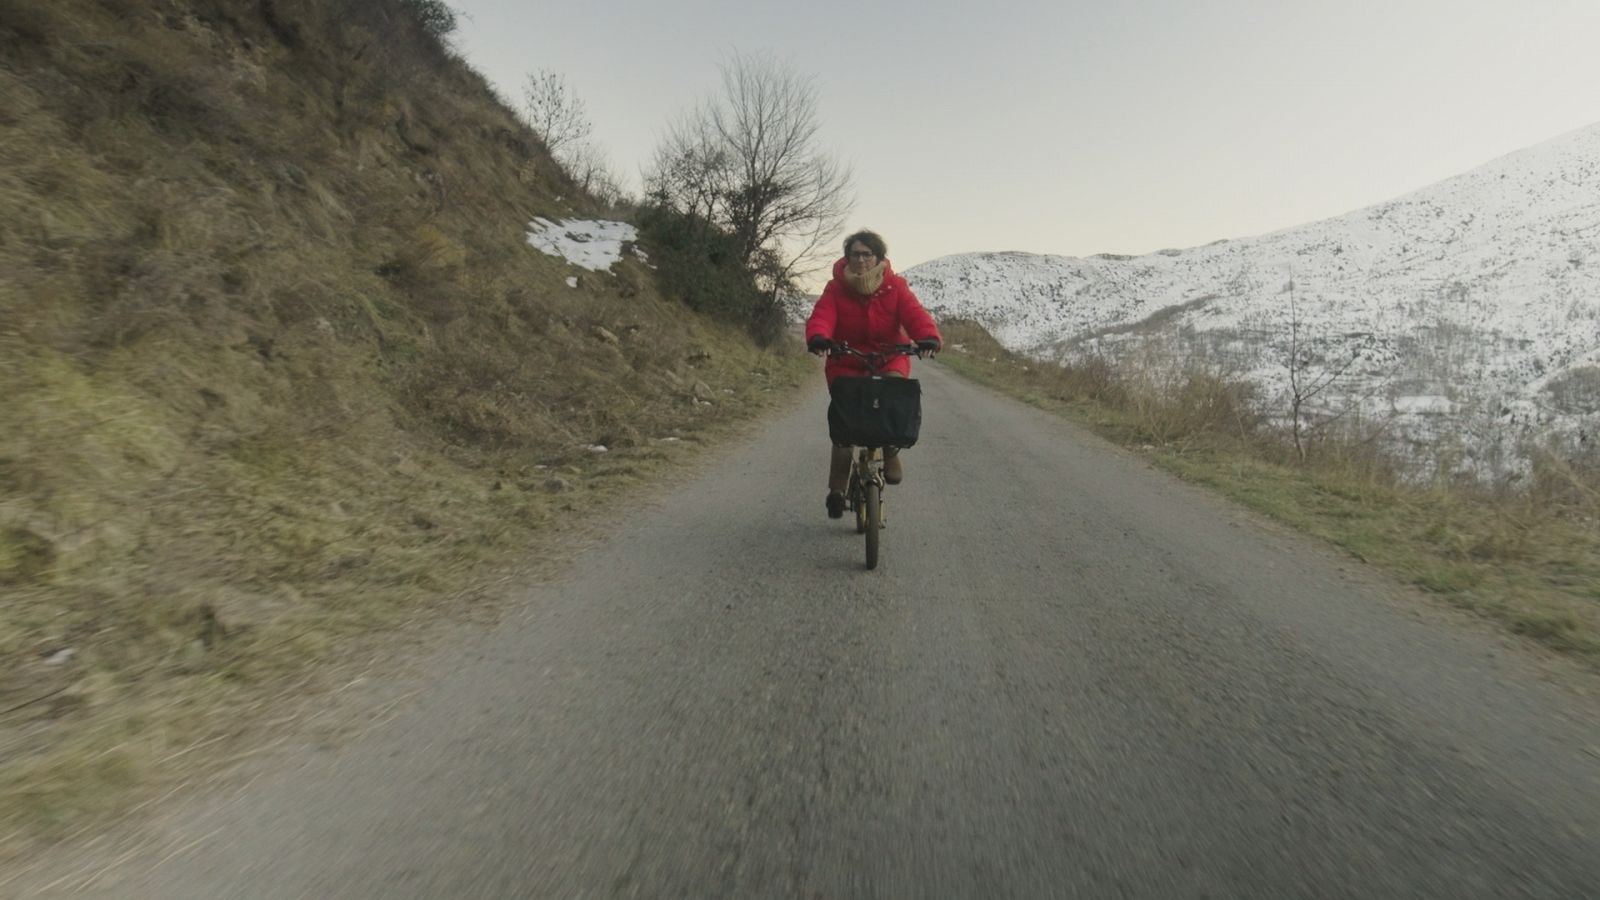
(700, 265)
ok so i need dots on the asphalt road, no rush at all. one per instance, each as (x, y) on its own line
(1070, 676)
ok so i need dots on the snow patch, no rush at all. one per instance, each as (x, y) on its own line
(593, 244)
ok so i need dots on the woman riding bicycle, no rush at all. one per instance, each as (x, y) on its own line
(869, 307)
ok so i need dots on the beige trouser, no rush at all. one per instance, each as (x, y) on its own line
(839, 470)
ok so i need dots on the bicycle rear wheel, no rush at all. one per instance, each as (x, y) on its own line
(874, 499)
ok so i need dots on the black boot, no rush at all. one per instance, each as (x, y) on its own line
(835, 505)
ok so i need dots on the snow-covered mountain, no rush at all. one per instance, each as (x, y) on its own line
(1472, 306)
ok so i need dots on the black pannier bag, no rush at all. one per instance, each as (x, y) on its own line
(875, 412)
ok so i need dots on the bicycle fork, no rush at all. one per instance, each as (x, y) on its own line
(867, 475)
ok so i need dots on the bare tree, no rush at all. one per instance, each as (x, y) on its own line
(783, 187)
(691, 170)
(747, 161)
(1309, 378)
(554, 112)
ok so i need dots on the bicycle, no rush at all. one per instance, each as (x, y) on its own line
(873, 429)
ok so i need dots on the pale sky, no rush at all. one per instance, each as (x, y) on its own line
(1070, 127)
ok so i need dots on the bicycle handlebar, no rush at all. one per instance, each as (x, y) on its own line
(876, 361)
(842, 349)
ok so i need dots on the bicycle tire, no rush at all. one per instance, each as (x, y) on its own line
(874, 498)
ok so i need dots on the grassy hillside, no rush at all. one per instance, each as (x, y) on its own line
(278, 368)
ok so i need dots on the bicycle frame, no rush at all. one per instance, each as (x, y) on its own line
(864, 494)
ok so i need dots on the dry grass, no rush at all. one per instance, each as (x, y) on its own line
(281, 370)
(1525, 554)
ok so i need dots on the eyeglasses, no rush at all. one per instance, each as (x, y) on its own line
(862, 255)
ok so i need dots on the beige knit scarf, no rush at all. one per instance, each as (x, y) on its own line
(867, 283)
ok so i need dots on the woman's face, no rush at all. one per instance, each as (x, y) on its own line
(861, 258)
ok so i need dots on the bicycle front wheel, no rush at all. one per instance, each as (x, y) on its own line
(858, 497)
(874, 500)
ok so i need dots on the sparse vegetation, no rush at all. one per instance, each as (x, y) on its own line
(559, 117)
(281, 371)
(1525, 554)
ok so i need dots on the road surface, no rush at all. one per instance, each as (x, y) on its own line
(1070, 676)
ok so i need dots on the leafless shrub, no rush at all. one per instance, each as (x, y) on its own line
(1092, 378)
(594, 173)
(1180, 405)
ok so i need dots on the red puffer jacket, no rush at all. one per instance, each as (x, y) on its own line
(892, 315)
